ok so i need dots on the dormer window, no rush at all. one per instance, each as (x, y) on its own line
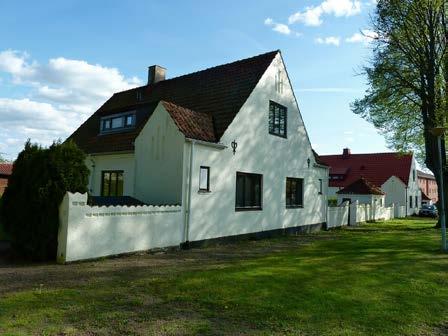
(117, 122)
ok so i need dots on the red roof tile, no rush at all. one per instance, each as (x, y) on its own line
(5, 168)
(219, 92)
(361, 187)
(194, 125)
(376, 168)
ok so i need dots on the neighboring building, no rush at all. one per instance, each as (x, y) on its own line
(363, 192)
(394, 173)
(5, 173)
(428, 186)
(228, 143)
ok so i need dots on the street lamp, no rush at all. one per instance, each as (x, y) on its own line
(439, 132)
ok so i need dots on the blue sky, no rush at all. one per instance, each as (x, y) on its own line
(60, 60)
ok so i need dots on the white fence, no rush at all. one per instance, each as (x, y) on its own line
(87, 232)
(338, 216)
(356, 213)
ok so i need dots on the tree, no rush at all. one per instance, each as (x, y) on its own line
(39, 181)
(408, 78)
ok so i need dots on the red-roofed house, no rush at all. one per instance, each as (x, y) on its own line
(428, 186)
(5, 173)
(394, 173)
(228, 143)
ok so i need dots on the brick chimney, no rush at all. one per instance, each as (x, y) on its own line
(346, 153)
(156, 73)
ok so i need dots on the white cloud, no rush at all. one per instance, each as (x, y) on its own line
(280, 27)
(365, 36)
(60, 95)
(330, 40)
(311, 16)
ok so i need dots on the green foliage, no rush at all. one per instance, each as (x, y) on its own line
(39, 181)
(407, 75)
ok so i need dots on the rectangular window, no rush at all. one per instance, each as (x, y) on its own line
(248, 191)
(294, 192)
(320, 187)
(277, 119)
(117, 122)
(204, 178)
(410, 201)
(112, 183)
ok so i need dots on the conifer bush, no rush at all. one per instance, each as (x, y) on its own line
(30, 204)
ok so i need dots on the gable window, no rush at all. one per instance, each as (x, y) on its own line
(117, 122)
(413, 175)
(204, 178)
(277, 119)
(248, 191)
(294, 192)
(112, 183)
(320, 187)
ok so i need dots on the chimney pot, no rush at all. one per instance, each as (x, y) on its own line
(156, 74)
(346, 153)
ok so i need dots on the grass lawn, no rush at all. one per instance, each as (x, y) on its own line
(378, 279)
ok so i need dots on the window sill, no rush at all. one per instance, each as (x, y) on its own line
(294, 207)
(249, 209)
(201, 191)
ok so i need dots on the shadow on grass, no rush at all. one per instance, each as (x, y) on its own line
(350, 282)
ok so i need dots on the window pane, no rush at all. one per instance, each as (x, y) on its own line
(271, 118)
(239, 190)
(106, 124)
(119, 184)
(203, 178)
(105, 183)
(117, 122)
(248, 191)
(130, 120)
(294, 192)
(277, 119)
(113, 184)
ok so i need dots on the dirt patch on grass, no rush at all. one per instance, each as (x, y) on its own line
(19, 275)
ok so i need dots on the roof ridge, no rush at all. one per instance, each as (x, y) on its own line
(375, 153)
(202, 70)
(225, 64)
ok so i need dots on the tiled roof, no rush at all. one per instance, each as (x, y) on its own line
(317, 158)
(194, 125)
(376, 168)
(5, 168)
(361, 187)
(421, 174)
(219, 92)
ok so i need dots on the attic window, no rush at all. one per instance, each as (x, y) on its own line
(277, 119)
(117, 122)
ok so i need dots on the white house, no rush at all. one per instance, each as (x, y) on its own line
(363, 192)
(394, 173)
(227, 143)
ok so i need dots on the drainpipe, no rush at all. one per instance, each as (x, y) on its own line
(190, 187)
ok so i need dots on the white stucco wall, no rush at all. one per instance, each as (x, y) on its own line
(99, 163)
(397, 193)
(213, 214)
(159, 160)
(87, 232)
(362, 199)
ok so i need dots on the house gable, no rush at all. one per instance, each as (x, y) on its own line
(219, 92)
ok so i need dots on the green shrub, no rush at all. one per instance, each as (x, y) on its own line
(39, 181)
